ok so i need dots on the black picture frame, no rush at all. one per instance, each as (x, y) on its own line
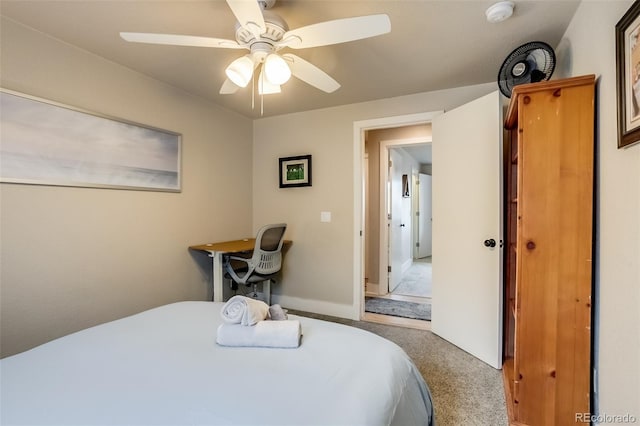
(628, 76)
(295, 171)
(405, 186)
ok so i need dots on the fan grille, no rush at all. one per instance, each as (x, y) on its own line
(529, 63)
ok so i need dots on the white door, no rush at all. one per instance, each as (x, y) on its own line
(424, 216)
(396, 219)
(467, 206)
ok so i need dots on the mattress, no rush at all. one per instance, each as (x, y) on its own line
(163, 367)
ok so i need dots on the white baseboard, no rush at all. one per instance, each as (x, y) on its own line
(316, 306)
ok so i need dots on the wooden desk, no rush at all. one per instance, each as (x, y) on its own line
(217, 250)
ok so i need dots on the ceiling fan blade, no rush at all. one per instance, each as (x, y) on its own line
(249, 15)
(228, 87)
(181, 40)
(337, 31)
(311, 74)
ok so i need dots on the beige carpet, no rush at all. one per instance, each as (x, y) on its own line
(466, 391)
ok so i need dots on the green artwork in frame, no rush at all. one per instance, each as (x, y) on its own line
(295, 171)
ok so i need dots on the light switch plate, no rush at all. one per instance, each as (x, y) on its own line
(325, 216)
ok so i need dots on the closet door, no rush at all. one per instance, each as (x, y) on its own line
(467, 212)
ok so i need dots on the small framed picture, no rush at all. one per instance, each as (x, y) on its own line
(295, 171)
(628, 76)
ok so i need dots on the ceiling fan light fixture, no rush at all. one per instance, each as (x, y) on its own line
(240, 71)
(276, 69)
(265, 87)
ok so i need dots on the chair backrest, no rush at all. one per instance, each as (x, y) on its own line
(267, 254)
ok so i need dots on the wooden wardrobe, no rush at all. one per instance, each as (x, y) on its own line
(549, 162)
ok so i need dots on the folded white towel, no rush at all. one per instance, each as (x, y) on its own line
(244, 310)
(266, 334)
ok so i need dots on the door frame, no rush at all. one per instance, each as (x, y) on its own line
(383, 252)
(359, 129)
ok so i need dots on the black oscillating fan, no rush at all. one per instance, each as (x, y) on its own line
(530, 63)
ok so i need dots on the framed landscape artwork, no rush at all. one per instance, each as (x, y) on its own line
(48, 143)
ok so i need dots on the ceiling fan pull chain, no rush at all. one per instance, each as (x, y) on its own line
(253, 90)
(262, 95)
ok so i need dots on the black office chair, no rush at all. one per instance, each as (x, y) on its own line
(263, 265)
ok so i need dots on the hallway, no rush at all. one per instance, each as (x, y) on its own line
(416, 281)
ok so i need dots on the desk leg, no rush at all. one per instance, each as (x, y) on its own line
(218, 277)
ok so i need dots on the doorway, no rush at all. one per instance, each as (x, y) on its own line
(467, 211)
(361, 221)
(416, 281)
(397, 225)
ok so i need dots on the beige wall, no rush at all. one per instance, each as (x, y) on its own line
(319, 268)
(588, 47)
(76, 257)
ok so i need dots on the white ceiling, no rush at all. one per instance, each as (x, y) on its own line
(420, 152)
(433, 44)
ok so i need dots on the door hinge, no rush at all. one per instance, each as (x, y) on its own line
(417, 244)
(389, 268)
(417, 213)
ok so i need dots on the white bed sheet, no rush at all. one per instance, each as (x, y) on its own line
(163, 367)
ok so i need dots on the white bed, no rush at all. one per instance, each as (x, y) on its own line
(163, 367)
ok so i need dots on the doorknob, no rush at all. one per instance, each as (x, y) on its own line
(402, 225)
(490, 243)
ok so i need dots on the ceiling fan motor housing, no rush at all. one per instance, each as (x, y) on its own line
(275, 29)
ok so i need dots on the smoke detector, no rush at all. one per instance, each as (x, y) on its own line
(499, 11)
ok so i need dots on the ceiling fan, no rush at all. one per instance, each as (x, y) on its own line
(265, 34)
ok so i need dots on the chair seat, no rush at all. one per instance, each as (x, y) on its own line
(254, 278)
